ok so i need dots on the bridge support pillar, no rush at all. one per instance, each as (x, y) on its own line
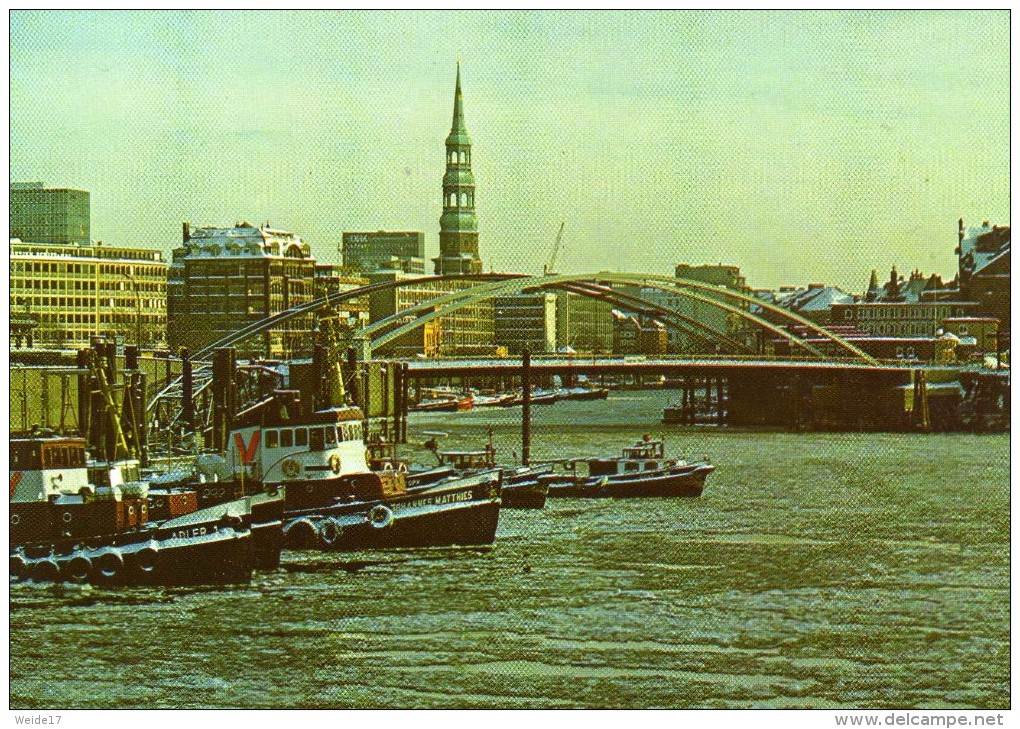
(526, 408)
(363, 348)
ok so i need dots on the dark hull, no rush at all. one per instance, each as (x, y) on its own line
(210, 552)
(266, 516)
(527, 495)
(600, 394)
(267, 533)
(447, 514)
(683, 481)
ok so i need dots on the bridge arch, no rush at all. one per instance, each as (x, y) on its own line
(374, 336)
(333, 299)
(493, 284)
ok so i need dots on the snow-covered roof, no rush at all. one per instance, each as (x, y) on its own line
(243, 241)
(812, 298)
(983, 244)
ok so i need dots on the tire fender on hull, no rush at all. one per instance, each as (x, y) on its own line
(147, 559)
(77, 569)
(329, 532)
(300, 534)
(380, 516)
(107, 566)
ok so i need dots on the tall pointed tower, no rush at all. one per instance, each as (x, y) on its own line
(458, 227)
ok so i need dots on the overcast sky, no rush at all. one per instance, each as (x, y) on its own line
(800, 146)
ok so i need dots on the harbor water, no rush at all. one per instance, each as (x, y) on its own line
(817, 570)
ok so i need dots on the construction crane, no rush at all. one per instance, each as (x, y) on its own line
(550, 270)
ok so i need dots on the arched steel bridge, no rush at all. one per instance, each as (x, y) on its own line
(596, 285)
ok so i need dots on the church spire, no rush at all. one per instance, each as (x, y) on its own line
(458, 228)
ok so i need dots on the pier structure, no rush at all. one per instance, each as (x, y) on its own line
(824, 381)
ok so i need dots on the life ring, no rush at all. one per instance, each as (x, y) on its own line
(67, 517)
(46, 570)
(107, 565)
(290, 468)
(77, 569)
(15, 519)
(334, 463)
(147, 558)
(329, 532)
(380, 516)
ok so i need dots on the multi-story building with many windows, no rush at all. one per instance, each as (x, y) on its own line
(76, 292)
(42, 214)
(584, 324)
(466, 331)
(385, 250)
(525, 320)
(343, 319)
(224, 278)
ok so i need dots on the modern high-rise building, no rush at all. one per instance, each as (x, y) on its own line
(224, 278)
(584, 324)
(526, 320)
(385, 251)
(72, 293)
(458, 226)
(42, 214)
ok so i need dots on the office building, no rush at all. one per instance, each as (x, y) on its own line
(40, 214)
(468, 330)
(584, 324)
(72, 293)
(384, 250)
(525, 320)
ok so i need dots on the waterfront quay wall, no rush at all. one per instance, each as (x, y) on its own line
(779, 394)
(810, 394)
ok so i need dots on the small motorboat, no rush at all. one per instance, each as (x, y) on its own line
(443, 401)
(583, 393)
(492, 400)
(538, 397)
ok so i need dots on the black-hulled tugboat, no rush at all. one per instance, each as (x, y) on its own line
(64, 528)
(333, 499)
(522, 487)
(642, 470)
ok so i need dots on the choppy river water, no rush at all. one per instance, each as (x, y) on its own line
(817, 570)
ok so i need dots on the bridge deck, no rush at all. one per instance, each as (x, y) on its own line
(637, 364)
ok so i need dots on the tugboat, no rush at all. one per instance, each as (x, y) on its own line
(64, 528)
(521, 486)
(333, 500)
(642, 470)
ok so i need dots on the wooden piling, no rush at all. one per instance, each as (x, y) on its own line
(526, 407)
